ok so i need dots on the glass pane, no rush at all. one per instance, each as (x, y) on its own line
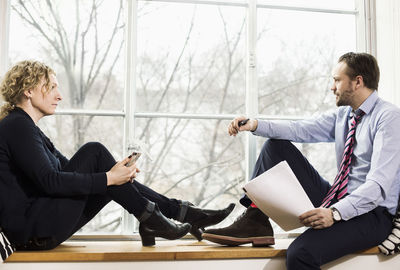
(296, 54)
(190, 58)
(81, 40)
(62, 130)
(194, 160)
(320, 155)
(69, 133)
(334, 4)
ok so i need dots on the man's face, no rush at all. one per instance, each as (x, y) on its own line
(343, 87)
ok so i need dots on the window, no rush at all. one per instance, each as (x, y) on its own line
(83, 42)
(191, 65)
(196, 65)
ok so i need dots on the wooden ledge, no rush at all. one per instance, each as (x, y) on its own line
(87, 251)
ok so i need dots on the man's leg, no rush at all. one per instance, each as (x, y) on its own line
(253, 226)
(316, 247)
(275, 151)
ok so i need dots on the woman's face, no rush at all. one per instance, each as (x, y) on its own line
(43, 100)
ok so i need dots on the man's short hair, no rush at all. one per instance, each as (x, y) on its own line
(362, 64)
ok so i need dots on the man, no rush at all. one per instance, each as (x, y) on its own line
(356, 211)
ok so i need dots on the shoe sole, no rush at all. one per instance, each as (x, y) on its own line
(261, 241)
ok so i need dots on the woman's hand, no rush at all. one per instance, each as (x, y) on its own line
(120, 174)
(234, 128)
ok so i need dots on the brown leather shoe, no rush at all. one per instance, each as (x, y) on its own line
(252, 226)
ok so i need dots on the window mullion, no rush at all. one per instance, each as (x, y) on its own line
(251, 84)
(366, 26)
(4, 37)
(130, 92)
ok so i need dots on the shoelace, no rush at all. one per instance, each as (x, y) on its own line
(392, 243)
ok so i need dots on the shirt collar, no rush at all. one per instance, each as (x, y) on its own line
(367, 105)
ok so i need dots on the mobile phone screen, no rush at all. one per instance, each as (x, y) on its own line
(135, 157)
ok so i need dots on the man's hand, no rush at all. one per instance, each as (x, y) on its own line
(234, 128)
(318, 218)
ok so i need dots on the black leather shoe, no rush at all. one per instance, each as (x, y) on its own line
(201, 218)
(252, 226)
(157, 225)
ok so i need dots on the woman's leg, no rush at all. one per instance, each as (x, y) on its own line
(184, 211)
(94, 157)
(55, 219)
(169, 207)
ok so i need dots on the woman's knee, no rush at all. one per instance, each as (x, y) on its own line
(93, 147)
(99, 152)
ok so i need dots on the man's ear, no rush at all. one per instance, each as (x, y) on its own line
(359, 81)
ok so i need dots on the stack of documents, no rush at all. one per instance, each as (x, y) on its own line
(279, 195)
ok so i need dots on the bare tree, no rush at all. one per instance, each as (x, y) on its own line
(80, 47)
(223, 58)
(193, 82)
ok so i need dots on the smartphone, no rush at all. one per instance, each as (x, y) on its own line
(135, 157)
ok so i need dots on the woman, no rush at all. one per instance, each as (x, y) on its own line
(45, 198)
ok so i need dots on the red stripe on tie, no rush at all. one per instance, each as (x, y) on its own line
(339, 187)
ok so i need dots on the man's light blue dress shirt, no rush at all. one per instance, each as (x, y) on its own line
(374, 178)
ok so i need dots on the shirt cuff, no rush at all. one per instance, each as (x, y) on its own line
(262, 127)
(346, 209)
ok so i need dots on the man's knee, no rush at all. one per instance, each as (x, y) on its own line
(298, 257)
(276, 144)
(276, 147)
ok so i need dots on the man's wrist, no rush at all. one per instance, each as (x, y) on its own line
(254, 125)
(336, 216)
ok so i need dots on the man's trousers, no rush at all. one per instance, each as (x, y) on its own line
(316, 247)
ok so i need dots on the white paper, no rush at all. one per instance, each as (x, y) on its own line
(278, 194)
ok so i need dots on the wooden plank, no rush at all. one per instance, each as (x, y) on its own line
(94, 251)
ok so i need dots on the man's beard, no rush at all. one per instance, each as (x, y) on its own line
(345, 98)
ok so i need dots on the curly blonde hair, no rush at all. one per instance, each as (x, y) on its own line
(23, 76)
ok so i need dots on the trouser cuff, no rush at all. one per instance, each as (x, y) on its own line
(184, 206)
(148, 211)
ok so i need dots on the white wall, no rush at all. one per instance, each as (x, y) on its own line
(388, 48)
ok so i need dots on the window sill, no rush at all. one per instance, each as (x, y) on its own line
(103, 251)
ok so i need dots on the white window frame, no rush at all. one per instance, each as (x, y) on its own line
(366, 41)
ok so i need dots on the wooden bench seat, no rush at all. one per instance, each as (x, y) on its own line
(95, 251)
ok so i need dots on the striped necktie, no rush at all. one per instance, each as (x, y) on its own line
(339, 187)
